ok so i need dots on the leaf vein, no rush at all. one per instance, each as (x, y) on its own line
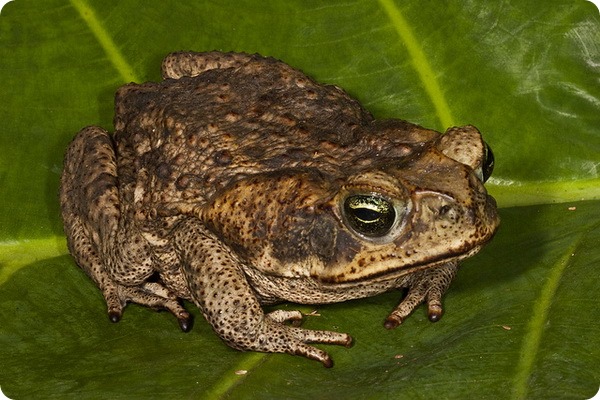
(535, 327)
(230, 380)
(108, 45)
(419, 61)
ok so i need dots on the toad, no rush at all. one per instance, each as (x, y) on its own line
(238, 182)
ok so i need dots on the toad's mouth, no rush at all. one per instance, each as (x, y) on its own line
(388, 270)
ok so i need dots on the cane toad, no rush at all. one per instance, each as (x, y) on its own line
(238, 182)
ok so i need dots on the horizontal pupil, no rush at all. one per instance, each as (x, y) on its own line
(367, 214)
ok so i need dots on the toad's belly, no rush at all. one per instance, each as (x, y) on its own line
(274, 289)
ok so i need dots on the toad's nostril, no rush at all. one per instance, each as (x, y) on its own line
(444, 210)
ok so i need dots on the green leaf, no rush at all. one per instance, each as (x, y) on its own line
(520, 317)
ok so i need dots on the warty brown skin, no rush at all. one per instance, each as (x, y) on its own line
(228, 184)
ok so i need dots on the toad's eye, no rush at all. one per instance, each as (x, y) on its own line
(488, 162)
(369, 215)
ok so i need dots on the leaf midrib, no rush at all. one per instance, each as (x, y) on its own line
(105, 40)
(541, 308)
(420, 62)
(519, 193)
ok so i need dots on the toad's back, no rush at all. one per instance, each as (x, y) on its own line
(181, 141)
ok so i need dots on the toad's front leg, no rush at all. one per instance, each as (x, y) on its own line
(426, 286)
(220, 289)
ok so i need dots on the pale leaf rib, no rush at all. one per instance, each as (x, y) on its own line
(419, 61)
(108, 45)
(535, 328)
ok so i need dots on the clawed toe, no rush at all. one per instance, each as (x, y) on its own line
(392, 322)
(186, 321)
(435, 312)
(114, 316)
(302, 349)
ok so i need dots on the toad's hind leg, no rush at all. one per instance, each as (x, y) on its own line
(219, 288)
(90, 210)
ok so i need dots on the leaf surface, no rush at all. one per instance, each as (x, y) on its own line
(520, 320)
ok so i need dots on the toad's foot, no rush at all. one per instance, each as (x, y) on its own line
(149, 294)
(274, 336)
(427, 286)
